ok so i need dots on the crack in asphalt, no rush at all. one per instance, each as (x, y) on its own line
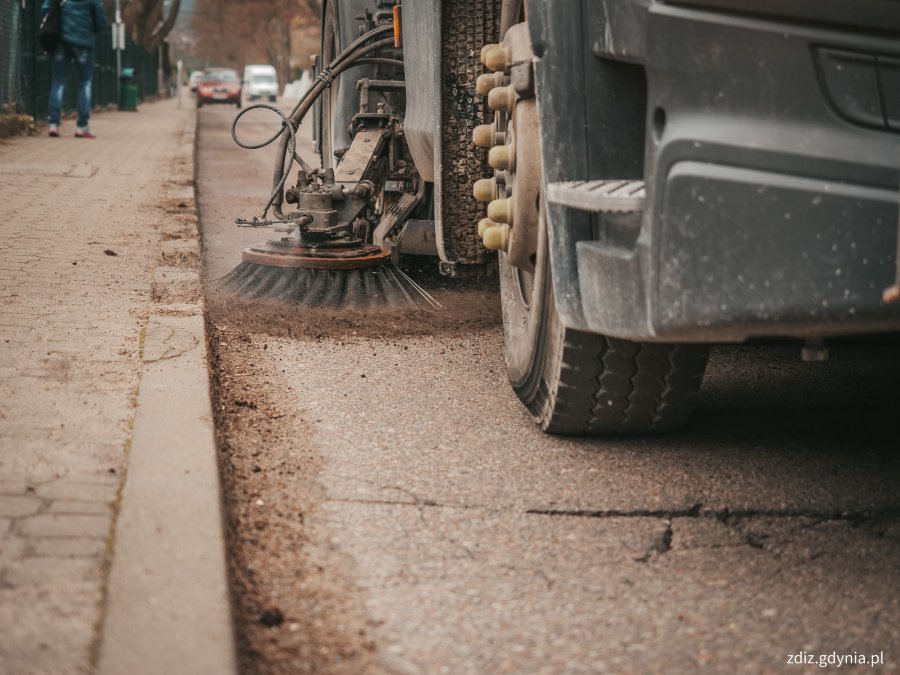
(662, 544)
(725, 515)
(692, 512)
(731, 518)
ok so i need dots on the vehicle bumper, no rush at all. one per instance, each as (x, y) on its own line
(772, 177)
(231, 100)
(261, 93)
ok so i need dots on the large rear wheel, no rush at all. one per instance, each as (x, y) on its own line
(585, 384)
(329, 122)
(573, 382)
(342, 23)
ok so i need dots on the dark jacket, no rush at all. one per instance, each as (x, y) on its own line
(81, 19)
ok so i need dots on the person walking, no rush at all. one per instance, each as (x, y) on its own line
(80, 20)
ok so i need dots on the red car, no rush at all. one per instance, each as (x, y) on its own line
(219, 85)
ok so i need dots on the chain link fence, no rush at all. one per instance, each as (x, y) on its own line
(25, 69)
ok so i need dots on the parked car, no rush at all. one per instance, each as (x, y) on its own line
(260, 81)
(219, 85)
(194, 79)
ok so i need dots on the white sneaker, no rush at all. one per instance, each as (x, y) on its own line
(84, 132)
(53, 130)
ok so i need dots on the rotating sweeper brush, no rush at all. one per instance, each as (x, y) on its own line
(338, 245)
(319, 270)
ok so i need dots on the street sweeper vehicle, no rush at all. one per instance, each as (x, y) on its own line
(645, 178)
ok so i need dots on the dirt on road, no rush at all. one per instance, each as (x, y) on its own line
(393, 507)
(297, 608)
(293, 611)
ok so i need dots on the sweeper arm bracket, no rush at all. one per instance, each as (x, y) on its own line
(254, 222)
(358, 162)
(286, 225)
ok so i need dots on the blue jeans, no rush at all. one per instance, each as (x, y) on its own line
(84, 69)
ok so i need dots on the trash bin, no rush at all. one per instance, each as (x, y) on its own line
(128, 90)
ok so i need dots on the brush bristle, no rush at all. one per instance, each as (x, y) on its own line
(370, 287)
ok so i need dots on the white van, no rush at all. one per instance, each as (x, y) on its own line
(260, 82)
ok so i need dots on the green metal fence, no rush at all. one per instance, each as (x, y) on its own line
(25, 69)
(10, 57)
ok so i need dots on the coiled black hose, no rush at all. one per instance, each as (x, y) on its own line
(353, 55)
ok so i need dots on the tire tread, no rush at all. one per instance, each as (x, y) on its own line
(608, 386)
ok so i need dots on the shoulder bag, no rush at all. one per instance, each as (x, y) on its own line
(50, 32)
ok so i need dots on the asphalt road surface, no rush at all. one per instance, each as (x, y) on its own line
(392, 507)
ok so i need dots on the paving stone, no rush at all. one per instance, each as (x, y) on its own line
(12, 486)
(65, 622)
(16, 506)
(78, 491)
(12, 548)
(61, 525)
(35, 571)
(80, 507)
(101, 477)
(69, 548)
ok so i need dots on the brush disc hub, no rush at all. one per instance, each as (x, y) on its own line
(329, 256)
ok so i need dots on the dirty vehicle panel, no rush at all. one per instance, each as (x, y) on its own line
(770, 153)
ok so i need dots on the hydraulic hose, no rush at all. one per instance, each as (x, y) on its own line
(300, 111)
(353, 55)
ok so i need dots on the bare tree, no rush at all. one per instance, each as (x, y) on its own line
(234, 33)
(147, 23)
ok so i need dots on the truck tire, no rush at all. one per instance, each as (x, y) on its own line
(579, 383)
(328, 104)
(340, 102)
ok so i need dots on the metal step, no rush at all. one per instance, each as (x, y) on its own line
(598, 196)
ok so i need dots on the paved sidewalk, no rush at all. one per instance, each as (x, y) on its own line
(98, 250)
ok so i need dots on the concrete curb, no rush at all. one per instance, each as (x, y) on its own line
(168, 607)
